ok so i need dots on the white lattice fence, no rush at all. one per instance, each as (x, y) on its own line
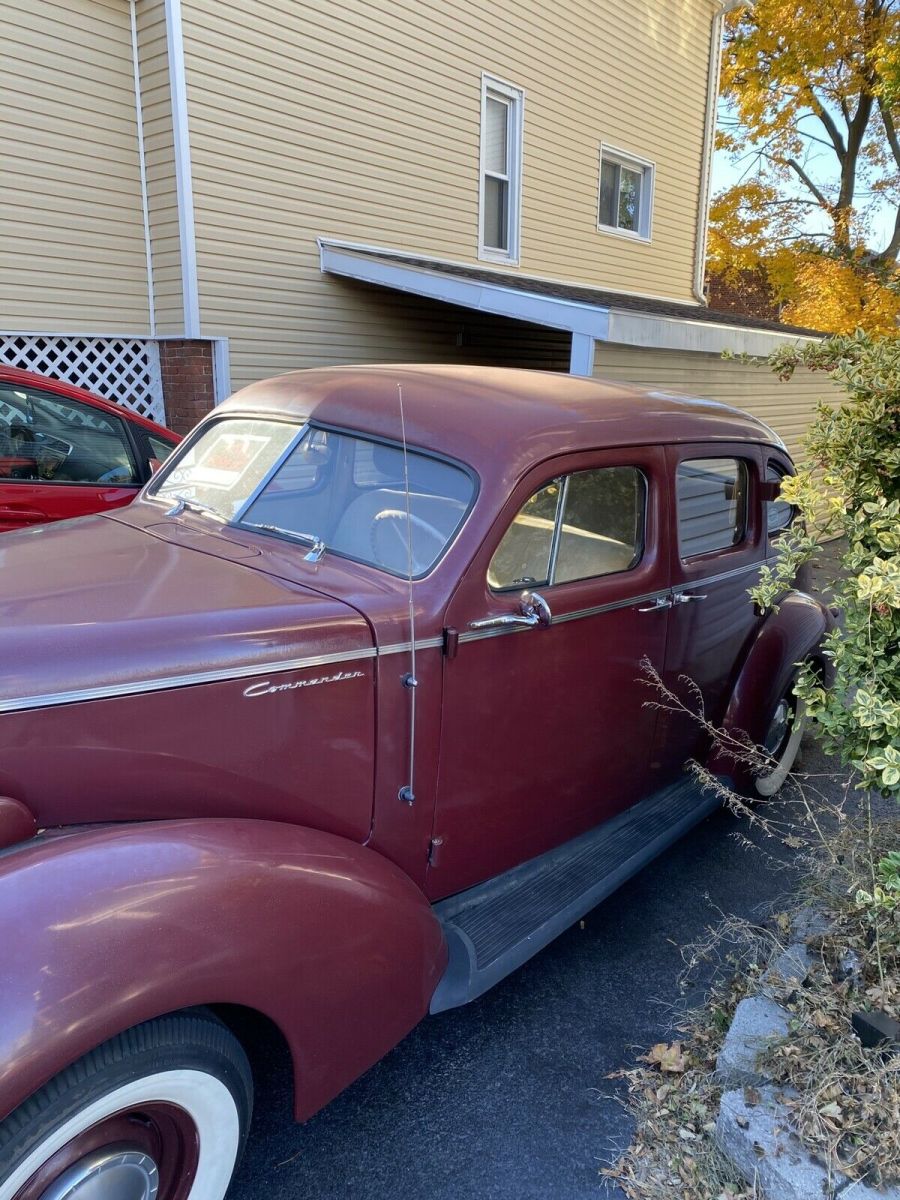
(121, 369)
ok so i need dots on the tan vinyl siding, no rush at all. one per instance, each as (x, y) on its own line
(386, 326)
(361, 121)
(71, 224)
(159, 154)
(787, 407)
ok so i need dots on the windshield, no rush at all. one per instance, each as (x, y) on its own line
(340, 489)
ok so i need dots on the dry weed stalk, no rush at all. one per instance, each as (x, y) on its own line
(844, 1098)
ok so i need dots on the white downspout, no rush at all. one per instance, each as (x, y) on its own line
(139, 116)
(709, 138)
(183, 175)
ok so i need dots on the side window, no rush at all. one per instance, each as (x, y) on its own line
(779, 513)
(578, 526)
(712, 505)
(626, 194)
(159, 449)
(53, 439)
(523, 557)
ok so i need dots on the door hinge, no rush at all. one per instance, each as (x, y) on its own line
(451, 641)
(434, 851)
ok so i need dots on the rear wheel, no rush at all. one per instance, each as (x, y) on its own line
(158, 1113)
(782, 743)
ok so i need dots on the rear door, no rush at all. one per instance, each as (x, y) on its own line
(60, 458)
(717, 542)
(545, 733)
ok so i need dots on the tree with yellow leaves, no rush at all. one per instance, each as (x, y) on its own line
(811, 98)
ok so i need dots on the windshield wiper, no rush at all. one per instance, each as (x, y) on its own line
(182, 502)
(317, 546)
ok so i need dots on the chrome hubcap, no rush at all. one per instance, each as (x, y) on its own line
(778, 728)
(108, 1175)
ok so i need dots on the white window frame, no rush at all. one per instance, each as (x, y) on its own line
(515, 98)
(647, 169)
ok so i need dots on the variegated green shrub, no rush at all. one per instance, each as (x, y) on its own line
(850, 488)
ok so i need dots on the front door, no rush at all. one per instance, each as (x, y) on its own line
(60, 458)
(717, 543)
(545, 732)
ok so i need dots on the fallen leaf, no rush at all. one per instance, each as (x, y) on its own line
(668, 1057)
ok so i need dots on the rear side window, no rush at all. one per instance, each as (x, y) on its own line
(779, 513)
(159, 449)
(578, 526)
(712, 505)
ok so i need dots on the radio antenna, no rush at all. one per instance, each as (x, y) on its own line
(407, 792)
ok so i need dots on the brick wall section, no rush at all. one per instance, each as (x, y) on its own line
(187, 380)
(748, 293)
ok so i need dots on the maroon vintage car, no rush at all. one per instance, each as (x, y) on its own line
(340, 722)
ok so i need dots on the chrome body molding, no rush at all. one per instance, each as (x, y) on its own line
(432, 643)
(138, 687)
(676, 591)
(112, 691)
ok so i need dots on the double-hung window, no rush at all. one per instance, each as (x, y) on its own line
(501, 170)
(626, 194)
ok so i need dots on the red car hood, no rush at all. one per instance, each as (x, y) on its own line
(96, 603)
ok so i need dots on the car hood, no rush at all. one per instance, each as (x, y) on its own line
(96, 607)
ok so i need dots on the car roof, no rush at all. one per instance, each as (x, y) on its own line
(477, 413)
(60, 388)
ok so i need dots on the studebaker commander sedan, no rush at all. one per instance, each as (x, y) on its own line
(340, 722)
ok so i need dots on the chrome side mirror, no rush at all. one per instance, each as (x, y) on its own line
(533, 606)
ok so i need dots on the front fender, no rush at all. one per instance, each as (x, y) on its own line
(789, 635)
(105, 927)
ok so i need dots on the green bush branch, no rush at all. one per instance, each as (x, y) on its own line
(850, 488)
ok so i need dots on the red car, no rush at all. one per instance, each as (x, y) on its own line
(343, 720)
(65, 452)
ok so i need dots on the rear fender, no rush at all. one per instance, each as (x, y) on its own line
(789, 636)
(105, 927)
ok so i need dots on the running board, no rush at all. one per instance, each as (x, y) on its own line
(495, 927)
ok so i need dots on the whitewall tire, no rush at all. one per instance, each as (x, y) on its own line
(158, 1113)
(784, 755)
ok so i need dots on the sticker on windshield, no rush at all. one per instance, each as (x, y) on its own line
(227, 460)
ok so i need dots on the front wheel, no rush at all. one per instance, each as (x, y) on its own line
(782, 744)
(158, 1113)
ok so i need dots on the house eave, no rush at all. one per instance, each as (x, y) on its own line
(626, 321)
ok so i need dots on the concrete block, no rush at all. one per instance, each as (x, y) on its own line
(854, 1190)
(758, 1021)
(791, 964)
(757, 1139)
(809, 922)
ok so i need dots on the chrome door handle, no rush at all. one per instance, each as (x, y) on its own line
(533, 610)
(505, 621)
(686, 597)
(659, 603)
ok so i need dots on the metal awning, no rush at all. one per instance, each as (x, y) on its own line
(588, 314)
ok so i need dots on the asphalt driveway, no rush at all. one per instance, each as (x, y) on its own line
(507, 1097)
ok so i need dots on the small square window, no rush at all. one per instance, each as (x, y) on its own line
(626, 194)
